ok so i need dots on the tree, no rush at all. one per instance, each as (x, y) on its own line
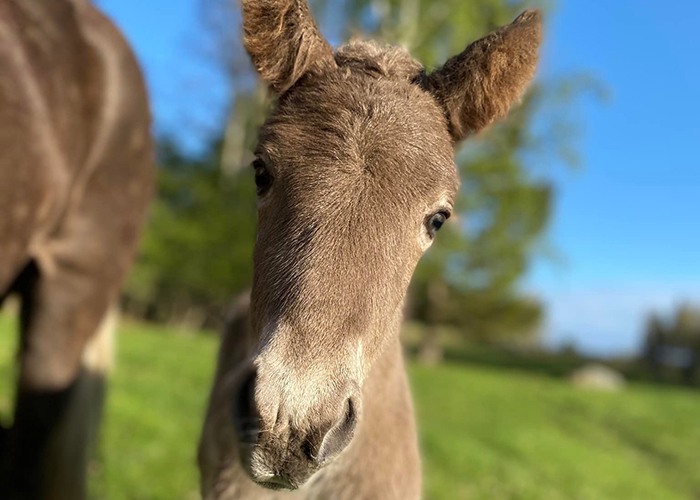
(197, 251)
(674, 343)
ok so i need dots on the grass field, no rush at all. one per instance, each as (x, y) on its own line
(486, 434)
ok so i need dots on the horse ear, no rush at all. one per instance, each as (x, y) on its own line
(283, 41)
(479, 85)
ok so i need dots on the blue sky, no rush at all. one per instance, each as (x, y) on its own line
(625, 225)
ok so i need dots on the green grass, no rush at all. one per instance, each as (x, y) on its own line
(8, 348)
(486, 433)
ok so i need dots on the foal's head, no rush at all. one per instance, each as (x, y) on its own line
(355, 176)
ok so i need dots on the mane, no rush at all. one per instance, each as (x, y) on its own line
(379, 60)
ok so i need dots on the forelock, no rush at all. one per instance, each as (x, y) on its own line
(375, 59)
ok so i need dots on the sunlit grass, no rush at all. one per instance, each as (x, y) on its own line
(499, 435)
(486, 434)
(8, 349)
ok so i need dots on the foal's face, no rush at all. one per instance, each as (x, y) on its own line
(355, 177)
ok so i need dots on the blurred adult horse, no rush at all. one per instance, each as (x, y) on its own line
(76, 175)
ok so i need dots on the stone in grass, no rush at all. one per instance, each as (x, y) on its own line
(598, 377)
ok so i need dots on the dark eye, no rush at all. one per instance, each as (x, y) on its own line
(435, 222)
(263, 179)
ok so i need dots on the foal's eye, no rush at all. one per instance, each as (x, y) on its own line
(263, 179)
(435, 222)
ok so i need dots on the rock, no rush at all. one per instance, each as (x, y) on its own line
(599, 377)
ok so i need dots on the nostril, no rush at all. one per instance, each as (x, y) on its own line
(245, 415)
(341, 433)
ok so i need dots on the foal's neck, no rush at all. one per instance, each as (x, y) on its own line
(384, 452)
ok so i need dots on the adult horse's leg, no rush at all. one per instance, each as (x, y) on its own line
(58, 395)
(71, 444)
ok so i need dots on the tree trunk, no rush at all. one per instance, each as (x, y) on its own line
(431, 352)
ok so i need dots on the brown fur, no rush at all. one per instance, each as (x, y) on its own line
(77, 173)
(361, 155)
(283, 41)
(480, 85)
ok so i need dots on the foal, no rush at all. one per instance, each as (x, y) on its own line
(355, 175)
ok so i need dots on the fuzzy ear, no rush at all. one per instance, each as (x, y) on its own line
(283, 41)
(479, 85)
